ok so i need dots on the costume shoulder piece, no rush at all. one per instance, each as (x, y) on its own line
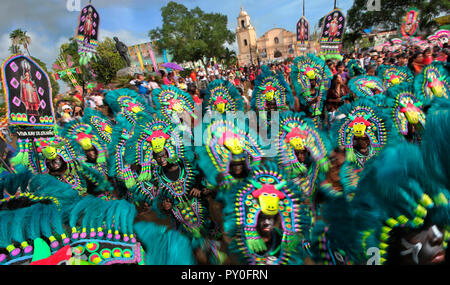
(361, 119)
(224, 143)
(102, 125)
(269, 87)
(298, 133)
(366, 86)
(222, 96)
(432, 82)
(393, 75)
(128, 103)
(354, 68)
(406, 110)
(265, 192)
(101, 231)
(172, 102)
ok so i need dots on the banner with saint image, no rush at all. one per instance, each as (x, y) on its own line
(28, 92)
(333, 28)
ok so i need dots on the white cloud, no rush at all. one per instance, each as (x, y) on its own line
(127, 37)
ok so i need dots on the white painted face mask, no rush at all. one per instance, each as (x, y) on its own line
(414, 249)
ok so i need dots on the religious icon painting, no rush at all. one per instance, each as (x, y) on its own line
(302, 31)
(88, 26)
(28, 92)
(87, 33)
(333, 27)
(410, 23)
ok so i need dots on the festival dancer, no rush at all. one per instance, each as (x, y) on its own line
(311, 79)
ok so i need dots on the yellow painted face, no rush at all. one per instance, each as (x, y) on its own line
(49, 152)
(311, 74)
(233, 145)
(370, 85)
(359, 129)
(158, 144)
(297, 143)
(395, 81)
(412, 116)
(220, 107)
(108, 129)
(269, 203)
(85, 143)
(438, 89)
(136, 109)
(177, 107)
(269, 95)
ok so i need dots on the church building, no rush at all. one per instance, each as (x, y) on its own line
(277, 43)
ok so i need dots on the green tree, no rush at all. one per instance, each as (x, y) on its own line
(391, 13)
(53, 83)
(108, 63)
(19, 38)
(192, 35)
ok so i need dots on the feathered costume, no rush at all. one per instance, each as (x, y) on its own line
(136, 190)
(371, 224)
(222, 96)
(39, 215)
(432, 82)
(363, 120)
(305, 69)
(271, 87)
(393, 75)
(174, 105)
(82, 138)
(127, 103)
(366, 86)
(102, 125)
(266, 191)
(406, 111)
(153, 137)
(354, 68)
(298, 133)
(225, 142)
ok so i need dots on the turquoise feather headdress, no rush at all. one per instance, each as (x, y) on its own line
(247, 200)
(305, 68)
(222, 93)
(269, 86)
(432, 82)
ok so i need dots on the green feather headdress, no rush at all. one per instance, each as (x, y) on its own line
(242, 208)
(266, 80)
(393, 75)
(368, 220)
(221, 90)
(309, 67)
(168, 98)
(364, 86)
(405, 107)
(102, 125)
(214, 157)
(378, 126)
(295, 125)
(354, 69)
(128, 103)
(432, 82)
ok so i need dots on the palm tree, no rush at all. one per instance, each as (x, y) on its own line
(19, 38)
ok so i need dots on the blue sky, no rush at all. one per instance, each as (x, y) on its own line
(50, 23)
